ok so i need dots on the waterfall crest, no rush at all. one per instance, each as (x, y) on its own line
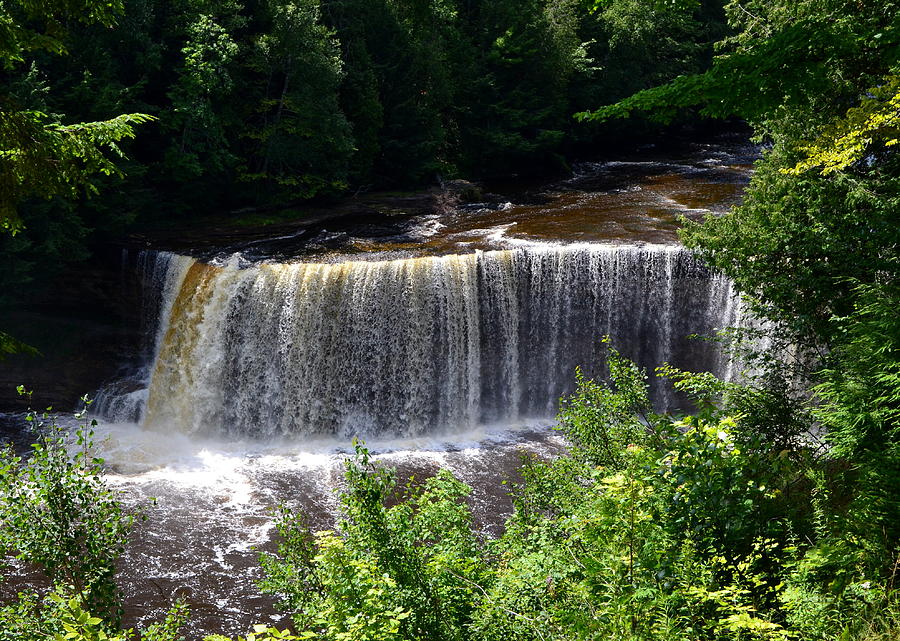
(415, 345)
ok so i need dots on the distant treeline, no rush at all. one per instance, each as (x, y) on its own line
(264, 102)
(273, 101)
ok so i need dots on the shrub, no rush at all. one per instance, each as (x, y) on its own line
(57, 512)
(410, 571)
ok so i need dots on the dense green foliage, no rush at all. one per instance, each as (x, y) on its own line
(815, 243)
(815, 247)
(409, 571)
(57, 513)
(818, 81)
(41, 156)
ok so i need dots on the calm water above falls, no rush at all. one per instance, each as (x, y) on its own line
(636, 201)
(443, 340)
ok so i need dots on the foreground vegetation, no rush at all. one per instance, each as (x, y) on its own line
(716, 525)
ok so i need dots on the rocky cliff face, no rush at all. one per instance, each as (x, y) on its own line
(83, 325)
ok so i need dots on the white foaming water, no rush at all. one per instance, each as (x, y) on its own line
(410, 347)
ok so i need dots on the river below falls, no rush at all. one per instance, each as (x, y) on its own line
(208, 491)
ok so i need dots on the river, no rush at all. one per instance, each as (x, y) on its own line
(442, 338)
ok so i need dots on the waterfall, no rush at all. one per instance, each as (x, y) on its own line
(160, 275)
(413, 345)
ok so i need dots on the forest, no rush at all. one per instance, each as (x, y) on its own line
(271, 104)
(769, 512)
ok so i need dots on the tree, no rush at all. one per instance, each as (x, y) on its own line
(300, 140)
(58, 514)
(815, 246)
(818, 83)
(41, 156)
(409, 571)
(860, 393)
(202, 90)
(865, 130)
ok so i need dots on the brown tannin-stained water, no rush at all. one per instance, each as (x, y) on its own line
(442, 340)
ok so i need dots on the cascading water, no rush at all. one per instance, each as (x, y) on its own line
(405, 347)
(160, 275)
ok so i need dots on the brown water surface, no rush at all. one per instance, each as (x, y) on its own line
(641, 199)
